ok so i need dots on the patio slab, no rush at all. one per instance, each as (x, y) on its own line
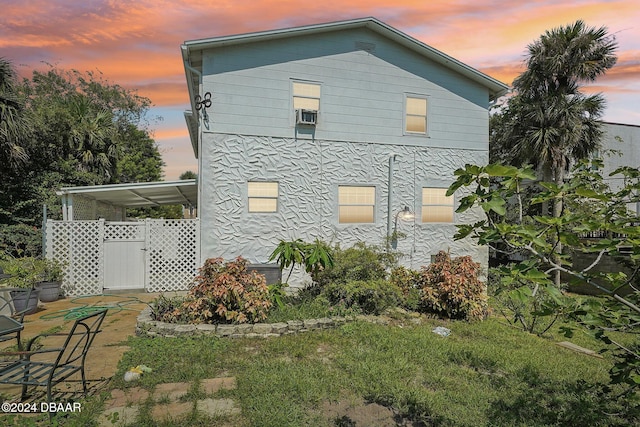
(109, 345)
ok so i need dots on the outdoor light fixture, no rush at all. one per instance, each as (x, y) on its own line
(406, 215)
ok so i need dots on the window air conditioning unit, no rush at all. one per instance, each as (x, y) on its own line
(306, 117)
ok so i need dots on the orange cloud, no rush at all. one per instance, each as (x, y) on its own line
(165, 93)
(171, 133)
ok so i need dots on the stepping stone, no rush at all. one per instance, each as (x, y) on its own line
(213, 385)
(134, 395)
(173, 391)
(218, 407)
(173, 410)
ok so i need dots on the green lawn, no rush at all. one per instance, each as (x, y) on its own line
(484, 373)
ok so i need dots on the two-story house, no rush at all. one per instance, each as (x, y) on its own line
(328, 131)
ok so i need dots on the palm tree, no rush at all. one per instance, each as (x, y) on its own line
(562, 124)
(13, 124)
(91, 137)
(549, 122)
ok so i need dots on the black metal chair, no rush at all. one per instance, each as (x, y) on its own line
(64, 360)
(11, 321)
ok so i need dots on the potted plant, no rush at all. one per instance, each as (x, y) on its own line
(23, 273)
(52, 276)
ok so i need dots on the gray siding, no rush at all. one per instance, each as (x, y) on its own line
(362, 96)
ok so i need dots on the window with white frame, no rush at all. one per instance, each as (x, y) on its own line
(262, 196)
(436, 205)
(306, 96)
(356, 204)
(415, 115)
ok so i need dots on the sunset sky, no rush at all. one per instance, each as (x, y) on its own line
(137, 43)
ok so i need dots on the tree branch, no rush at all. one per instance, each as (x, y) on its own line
(594, 263)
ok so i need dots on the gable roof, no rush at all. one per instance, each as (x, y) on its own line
(192, 55)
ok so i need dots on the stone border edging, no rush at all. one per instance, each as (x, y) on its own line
(147, 327)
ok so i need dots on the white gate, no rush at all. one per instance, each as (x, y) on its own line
(124, 260)
(156, 254)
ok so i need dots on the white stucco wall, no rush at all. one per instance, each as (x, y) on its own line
(309, 173)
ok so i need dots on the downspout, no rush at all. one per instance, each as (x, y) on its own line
(199, 74)
(392, 159)
(192, 96)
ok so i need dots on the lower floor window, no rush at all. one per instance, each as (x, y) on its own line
(356, 204)
(436, 205)
(262, 196)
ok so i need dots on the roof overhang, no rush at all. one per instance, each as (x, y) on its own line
(139, 194)
(192, 50)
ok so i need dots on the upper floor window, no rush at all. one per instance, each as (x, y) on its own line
(436, 205)
(262, 196)
(356, 204)
(415, 115)
(306, 96)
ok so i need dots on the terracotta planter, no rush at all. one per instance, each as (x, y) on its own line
(22, 303)
(49, 291)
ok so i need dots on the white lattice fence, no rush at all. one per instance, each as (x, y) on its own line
(124, 231)
(172, 246)
(88, 209)
(79, 245)
(172, 254)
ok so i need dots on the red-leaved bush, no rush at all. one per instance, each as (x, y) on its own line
(225, 293)
(452, 288)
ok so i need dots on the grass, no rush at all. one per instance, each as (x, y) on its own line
(484, 373)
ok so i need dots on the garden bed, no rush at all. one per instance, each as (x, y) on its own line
(147, 327)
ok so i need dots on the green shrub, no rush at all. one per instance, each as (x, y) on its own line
(25, 272)
(361, 262)
(371, 296)
(452, 288)
(223, 293)
(20, 240)
(277, 294)
(165, 309)
(406, 280)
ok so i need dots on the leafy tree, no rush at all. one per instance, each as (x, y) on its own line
(85, 124)
(139, 159)
(188, 175)
(13, 123)
(85, 131)
(540, 237)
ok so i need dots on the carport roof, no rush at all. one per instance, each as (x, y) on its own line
(140, 194)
